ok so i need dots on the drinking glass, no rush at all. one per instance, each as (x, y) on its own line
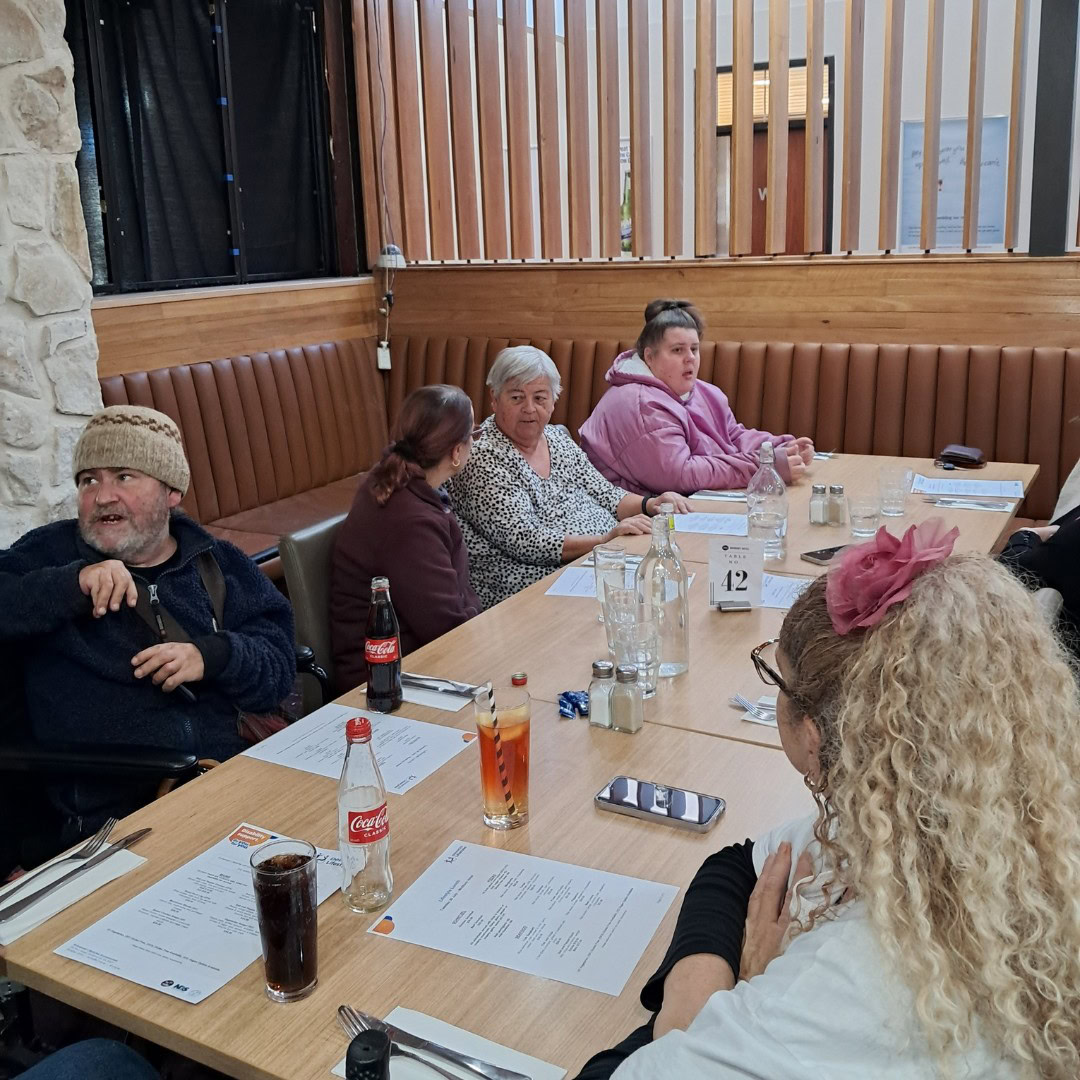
(864, 513)
(283, 876)
(505, 791)
(609, 564)
(620, 609)
(638, 644)
(894, 483)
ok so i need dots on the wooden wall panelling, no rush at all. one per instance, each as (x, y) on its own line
(935, 40)
(776, 184)
(705, 129)
(641, 238)
(1016, 127)
(674, 143)
(814, 173)
(489, 112)
(518, 129)
(578, 92)
(976, 85)
(383, 112)
(462, 129)
(365, 134)
(414, 237)
(888, 205)
(740, 224)
(155, 330)
(607, 113)
(548, 127)
(437, 128)
(851, 182)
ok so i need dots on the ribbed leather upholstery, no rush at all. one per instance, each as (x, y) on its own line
(1016, 403)
(275, 440)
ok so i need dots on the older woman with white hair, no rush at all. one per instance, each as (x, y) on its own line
(529, 500)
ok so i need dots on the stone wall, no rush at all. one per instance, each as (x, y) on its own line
(48, 352)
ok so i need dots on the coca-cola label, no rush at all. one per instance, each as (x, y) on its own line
(367, 826)
(382, 650)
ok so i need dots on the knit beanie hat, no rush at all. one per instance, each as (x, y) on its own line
(131, 437)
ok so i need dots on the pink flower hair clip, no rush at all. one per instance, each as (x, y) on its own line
(871, 577)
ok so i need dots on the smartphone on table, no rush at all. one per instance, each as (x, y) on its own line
(822, 555)
(658, 802)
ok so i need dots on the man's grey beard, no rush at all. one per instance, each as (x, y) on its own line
(138, 543)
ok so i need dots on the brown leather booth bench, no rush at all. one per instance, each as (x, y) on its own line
(275, 440)
(1016, 403)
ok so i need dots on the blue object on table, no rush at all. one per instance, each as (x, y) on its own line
(573, 702)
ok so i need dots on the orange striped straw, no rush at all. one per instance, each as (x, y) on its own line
(499, 751)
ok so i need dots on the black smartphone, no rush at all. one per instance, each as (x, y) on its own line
(822, 555)
(657, 802)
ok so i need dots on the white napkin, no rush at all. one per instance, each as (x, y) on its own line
(435, 699)
(109, 870)
(455, 1038)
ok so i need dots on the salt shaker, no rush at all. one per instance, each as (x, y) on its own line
(837, 509)
(627, 706)
(603, 682)
(819, 505)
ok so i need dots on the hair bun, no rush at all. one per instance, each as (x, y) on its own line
(658, 307)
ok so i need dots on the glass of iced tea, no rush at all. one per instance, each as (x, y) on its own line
(504, 765)
(283, 874)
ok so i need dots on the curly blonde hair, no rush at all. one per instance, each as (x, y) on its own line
(949, 801)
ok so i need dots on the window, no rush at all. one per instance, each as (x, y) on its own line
(208, 133)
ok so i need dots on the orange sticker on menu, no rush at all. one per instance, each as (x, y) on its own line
(468, 736)
(385, 925)
(246, 836)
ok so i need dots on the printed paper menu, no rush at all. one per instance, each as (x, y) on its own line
(570, 923)
(407, 750)
(194, 930)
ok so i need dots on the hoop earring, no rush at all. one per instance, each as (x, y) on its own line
(454, 464)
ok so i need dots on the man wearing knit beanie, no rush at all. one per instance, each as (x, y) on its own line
(113, 614)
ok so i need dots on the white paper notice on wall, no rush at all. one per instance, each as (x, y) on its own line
(736, 567)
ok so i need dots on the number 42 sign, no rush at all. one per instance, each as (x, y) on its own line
(736, 566)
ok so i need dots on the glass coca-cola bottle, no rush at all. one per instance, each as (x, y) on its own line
(382, 650)
(363, 825)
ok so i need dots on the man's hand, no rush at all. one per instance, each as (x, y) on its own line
(108, 584)
(682, 506)
(689, 984)
(171, 663)
(637, 525)
(768, 915)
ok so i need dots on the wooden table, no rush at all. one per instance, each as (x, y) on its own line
(243, 1034)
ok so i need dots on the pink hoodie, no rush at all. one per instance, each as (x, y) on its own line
(642, 437)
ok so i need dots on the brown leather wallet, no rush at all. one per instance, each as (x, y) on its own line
(963, 457)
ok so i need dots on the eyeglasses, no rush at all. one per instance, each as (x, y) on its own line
(766, 672)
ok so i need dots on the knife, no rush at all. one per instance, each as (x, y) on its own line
(959, 502)
(455, 1057)
(445, 686)
(20, 906)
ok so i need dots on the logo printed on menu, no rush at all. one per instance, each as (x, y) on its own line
(381, 650)
(367, 826)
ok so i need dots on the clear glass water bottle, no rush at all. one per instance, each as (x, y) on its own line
(662, 587)
(668, 511)
(603, 679)
(767, 506)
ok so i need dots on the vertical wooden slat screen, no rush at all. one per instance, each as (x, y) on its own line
(436, 128)
(547, 130)
(489, 111)
(384, 115)
(935, 39)
(705, 130)
(890, 124)
(776, 182)
(814, 175)
(462, 130)
(851, 183)
(976, 84)
(740, 223)
(515, 46)
(607, 113)
(579, 184)
(365, 133)
(414, 240)
(674, 145)
(1016, 127)
(641, 240)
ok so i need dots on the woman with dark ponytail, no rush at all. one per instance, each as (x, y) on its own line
(400, 526)
(660, 428)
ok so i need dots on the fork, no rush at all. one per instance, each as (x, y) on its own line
(353, 1025)
(87, 851)
(754, 710)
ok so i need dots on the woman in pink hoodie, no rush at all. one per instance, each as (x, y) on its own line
(658, 428)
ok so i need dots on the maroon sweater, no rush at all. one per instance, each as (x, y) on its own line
(416, 542)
